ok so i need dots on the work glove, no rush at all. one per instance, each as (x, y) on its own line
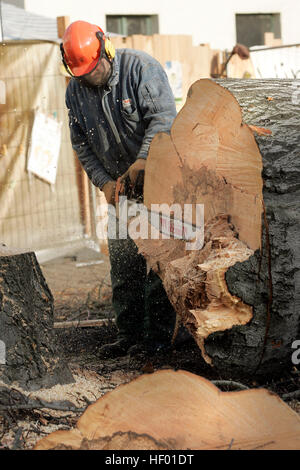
(134, 171)
(109, 190)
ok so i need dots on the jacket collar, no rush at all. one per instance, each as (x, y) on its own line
(114, 78)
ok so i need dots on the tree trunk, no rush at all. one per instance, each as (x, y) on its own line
(29, 355)
(239, 294)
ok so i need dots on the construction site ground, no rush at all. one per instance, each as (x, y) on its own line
(80, 284)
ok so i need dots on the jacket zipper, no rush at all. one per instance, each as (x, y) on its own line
(110, 120)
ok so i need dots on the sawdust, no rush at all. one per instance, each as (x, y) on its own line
(88, 387)
(295, 405)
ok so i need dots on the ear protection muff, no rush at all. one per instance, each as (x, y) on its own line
(110, 49)
(108, 46)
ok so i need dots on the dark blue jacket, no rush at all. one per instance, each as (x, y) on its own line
(112, 127)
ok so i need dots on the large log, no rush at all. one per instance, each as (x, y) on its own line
(239, 294)
(179, 411)
(30, 356)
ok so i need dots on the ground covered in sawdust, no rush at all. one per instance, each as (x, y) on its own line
(80, 284)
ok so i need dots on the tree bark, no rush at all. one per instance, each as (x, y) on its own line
(275, 294)
(30, 356)
(239, 294)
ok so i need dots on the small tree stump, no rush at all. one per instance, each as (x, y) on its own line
(29, 355)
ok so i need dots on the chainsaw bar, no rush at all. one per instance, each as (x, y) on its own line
(172, 227)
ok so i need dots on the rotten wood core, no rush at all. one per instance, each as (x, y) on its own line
(153, 412)
(202, 294)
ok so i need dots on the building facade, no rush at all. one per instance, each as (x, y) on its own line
(217, 22)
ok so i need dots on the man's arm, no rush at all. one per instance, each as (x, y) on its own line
(157, 104)
(88, 159)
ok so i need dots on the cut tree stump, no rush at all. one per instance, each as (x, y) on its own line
(239, 295)
(179, 411)
(30, 356)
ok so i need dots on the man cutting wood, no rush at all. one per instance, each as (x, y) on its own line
(117, 102)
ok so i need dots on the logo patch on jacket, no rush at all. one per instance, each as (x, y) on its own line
(126, 103)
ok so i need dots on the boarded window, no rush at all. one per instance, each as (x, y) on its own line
(132, 24)
(250, 28)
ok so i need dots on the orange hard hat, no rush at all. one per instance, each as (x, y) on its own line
(82, 47)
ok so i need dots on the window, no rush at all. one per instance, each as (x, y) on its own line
(17, 3)
(251, 28)
(132, 24)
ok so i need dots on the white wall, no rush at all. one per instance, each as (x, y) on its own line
(211, 21)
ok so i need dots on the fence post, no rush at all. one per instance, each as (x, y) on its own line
(82, 179)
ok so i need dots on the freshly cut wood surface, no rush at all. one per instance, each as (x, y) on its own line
(179, 410)
(210, 158)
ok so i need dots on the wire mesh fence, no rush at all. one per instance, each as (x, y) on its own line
(34, 214)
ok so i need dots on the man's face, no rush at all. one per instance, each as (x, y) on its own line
(100, 76)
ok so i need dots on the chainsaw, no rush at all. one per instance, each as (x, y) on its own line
(167, 224)
(133, 192)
